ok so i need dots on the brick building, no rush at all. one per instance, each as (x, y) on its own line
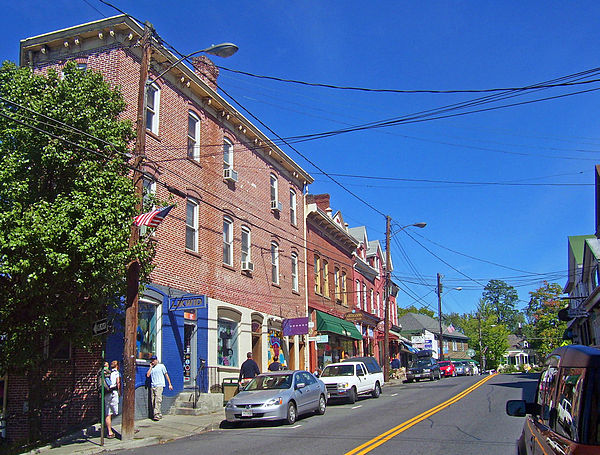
(230, 257)
(330, 288)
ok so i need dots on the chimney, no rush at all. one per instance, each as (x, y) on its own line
(206, 70)
(322, 201)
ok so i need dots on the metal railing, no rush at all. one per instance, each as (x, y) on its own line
(207, 380)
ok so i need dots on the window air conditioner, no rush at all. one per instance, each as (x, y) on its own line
(230, 175)
(276, 206)
(247, 266)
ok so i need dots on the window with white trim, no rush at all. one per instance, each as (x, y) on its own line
(193, 144)
(148, 192)
(191, 225)
(228, 241)
(295, 272)
(344, 290)
(325, 278)
(227, 154)
(357, 292)
(364, 297)
(152, 107)
(372, 300)
(317, 272)
(274, 188)
(336, 283)
(246, 244)
(378, 304)
(293, 218)
(275, 262)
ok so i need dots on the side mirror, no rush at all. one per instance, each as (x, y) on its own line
(516, 408)
(316, 374)
(300, 385)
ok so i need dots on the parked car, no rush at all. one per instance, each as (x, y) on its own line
(447, 368)
(459, 367)
(463, 368)
(565, 414)
(349, 379)
(475, 367)
(281, 395)
(423, 368)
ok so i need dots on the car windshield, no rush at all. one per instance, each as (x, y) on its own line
(338, 370)
(421, 363)
(268, 382)
(444, 363)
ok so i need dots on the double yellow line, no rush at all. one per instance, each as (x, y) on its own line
(384, 437)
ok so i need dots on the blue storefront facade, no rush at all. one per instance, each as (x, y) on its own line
(173, 325)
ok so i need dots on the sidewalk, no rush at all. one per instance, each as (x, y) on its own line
(148, 432)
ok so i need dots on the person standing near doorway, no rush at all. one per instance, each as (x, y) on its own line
(111, 399)
(157, 374)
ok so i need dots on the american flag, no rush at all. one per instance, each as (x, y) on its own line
(152, 218)
(451, 328)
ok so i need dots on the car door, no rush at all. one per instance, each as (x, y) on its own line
(361, 375)
(313, 391)
(302, 394)
(539, 427)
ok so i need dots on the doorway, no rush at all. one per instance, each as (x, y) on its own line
(190, 346)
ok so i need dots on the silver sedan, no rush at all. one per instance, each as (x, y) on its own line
(282, 395)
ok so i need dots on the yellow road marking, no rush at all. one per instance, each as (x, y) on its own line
(384, 437)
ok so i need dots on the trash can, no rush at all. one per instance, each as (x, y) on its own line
(230, 389)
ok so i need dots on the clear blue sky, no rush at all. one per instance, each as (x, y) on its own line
(435, 45)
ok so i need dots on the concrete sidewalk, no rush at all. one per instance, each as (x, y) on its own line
(148, 432)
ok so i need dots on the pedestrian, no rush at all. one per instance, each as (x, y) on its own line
(275, 365)
(395, 363)
(248, 370)
(111, 399)
(157, 373)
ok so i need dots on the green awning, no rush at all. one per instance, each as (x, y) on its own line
(329, 323)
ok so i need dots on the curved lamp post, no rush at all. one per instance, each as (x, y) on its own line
(388, 260)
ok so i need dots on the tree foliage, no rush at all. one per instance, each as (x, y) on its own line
(545, 331)
(65, 209)
(414, 309)
(500, 299)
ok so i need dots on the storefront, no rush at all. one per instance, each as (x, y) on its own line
(337, 338)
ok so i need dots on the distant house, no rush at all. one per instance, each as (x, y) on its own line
(519, 352)
(423, 332)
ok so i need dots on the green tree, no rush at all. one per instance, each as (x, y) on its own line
(414, 309)
(66, 207)
(500, 299)
(545, 330)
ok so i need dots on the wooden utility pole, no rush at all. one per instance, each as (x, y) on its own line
(441, 338)
(386, 292)
(133, 269)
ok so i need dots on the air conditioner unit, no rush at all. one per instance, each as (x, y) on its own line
(230, 175)
(276, 206)
(247, 266)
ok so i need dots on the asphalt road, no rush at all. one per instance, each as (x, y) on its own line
(451, 416)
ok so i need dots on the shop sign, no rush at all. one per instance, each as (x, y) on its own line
(353, 317)
(320, 339)
(295, 326)
(577, 313)
(187, 302)
(417, 340)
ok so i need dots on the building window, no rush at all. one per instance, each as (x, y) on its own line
(152, 107)
(274, 262)
(378, 304)
(372, 300)
(454, 347)
(293, 219)
(148, 192)
(357, 291)
(82, 66)
(336, 283)
(227, 154)
(228, 241)
(246, 245)
(317, 274)
(227, 343)
(193, 147)
(364, 297)
(147, 331)
(294, 272)
(325, 278)
(191, 225)
(274, 187)
(344, 290)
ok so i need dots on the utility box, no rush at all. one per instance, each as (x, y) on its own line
(230, 389)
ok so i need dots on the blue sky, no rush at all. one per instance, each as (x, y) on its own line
(435, 45)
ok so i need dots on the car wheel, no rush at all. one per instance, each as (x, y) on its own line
(322, 405)
(376, 391)
(432, 377)
(454, 374)
(439, 375)
(352, 395)
(409, 380)
(291, 414)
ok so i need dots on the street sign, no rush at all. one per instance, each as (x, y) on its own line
(577, 313)
(100, 327)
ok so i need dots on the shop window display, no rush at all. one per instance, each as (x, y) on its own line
(146, 331)
(227, 354)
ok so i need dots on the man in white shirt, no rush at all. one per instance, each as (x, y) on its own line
(111, 399)
(157, 373)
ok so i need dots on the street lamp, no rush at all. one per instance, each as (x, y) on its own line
(388, 260)
(439, 293)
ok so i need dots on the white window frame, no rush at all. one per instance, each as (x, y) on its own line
(194, 137)
(227, 151)
(295, 272)
(364, 297)
(372, 300)
(228, 240)
(148, 189)
(152, 126)
(274, 188)
(193, 226)
(344, 289)
(293, 207)
(325, 289)
(275, 262)
(246, 244)
(357, 290)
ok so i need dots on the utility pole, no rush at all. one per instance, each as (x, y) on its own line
(441, 338)
(133, 269)
(386, 292)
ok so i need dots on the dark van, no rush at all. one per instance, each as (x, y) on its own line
(565, 416)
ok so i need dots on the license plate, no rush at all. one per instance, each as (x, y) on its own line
(246, 412)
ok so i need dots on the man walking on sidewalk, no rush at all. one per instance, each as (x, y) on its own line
(157, 374)
(248, 370)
